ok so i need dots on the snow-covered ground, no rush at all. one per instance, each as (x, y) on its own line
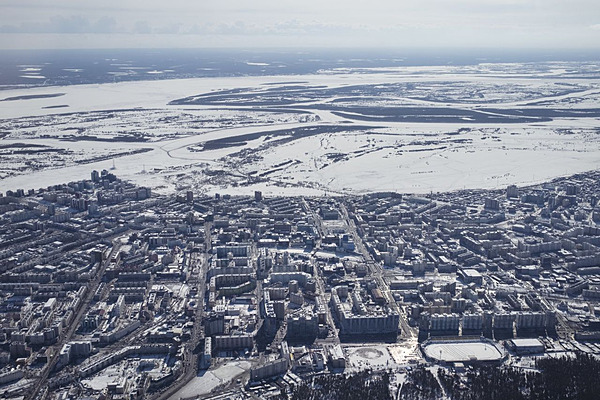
(240, 134)
(463, 351)
(208, 380)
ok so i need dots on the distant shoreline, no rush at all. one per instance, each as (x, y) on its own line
(23, 69)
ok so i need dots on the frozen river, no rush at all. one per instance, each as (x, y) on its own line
(412, 129)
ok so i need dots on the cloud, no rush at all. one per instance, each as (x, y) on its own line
(104, 24)
(168, 29)
(460, 23)
(142, 27)
(291, 27)
(62, 24)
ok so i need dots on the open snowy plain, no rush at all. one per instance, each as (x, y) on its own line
(341, 131)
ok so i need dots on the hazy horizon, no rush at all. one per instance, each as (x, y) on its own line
(41, 24)
(473, 50)
(46, 67)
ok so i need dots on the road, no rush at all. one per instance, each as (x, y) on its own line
(317, 275)
(41, 386)
(375, 270)
(190, 363)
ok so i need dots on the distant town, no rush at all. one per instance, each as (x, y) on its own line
(108, 290)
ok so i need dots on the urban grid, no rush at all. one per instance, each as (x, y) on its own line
(111, 291)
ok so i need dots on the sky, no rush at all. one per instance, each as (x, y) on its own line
(548, 24)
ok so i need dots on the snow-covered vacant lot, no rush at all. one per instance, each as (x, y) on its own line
(408, 129)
